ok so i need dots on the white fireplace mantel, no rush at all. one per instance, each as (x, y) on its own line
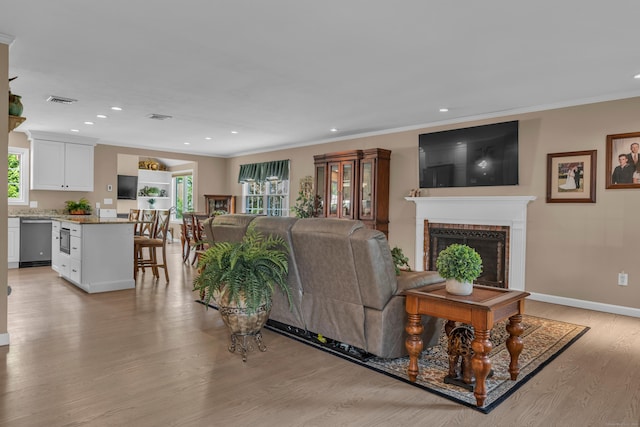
(508, 211)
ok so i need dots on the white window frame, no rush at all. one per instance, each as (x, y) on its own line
(174, 201)
(265, 197)
(24, 176)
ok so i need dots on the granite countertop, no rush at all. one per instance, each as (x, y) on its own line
(77, 219)
(88, 219)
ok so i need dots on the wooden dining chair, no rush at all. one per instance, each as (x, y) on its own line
(187, 235)
(157, 240)
(134, 215)
(199, 244)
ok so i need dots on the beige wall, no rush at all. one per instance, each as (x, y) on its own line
(574, 250)
(209, 175)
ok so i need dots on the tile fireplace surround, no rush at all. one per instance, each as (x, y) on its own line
(510, 211)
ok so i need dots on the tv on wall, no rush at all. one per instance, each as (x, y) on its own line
(127, 187)
(470, 157)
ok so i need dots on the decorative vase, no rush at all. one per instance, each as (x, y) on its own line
(15, 105)
(458, 288)
(243, 325)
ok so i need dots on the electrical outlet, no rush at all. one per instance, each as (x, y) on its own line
(623, 279)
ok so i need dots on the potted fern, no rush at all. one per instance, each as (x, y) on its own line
(460, 265)
(81, 207)
(241, 278)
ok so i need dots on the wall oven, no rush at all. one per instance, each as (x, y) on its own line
(65, 240)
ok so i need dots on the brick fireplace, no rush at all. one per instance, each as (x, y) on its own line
(490, 241)
(501, 221)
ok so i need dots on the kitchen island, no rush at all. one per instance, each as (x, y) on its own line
(94, 254)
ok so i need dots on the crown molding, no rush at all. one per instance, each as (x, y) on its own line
(6, 39)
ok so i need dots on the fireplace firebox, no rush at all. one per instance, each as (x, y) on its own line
(491, 243)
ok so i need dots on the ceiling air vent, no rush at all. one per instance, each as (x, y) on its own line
(61, 99)
(159, 117)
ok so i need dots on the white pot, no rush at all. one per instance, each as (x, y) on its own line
(458, 288)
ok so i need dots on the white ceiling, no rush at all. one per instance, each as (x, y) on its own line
(283, 73)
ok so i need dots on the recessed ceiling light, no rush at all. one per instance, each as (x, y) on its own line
(88, 123)
(101, 116)
(116, 108)
(234, 131)
(75, 130)
(186, 143)
(334, 129)
(637, 76)
(444, 110)
(207, 138)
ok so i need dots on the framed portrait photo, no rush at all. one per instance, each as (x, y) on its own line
(571, 177)
(623, 160)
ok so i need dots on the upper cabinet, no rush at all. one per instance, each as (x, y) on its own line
(354, 185)
(61, 162)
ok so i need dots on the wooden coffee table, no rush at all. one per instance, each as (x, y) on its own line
(482, 309)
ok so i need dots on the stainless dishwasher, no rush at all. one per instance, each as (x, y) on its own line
(35, 242)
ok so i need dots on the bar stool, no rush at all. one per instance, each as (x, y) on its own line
(156, 240)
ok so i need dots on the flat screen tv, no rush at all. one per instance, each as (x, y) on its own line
(470, 157)
(127, 187)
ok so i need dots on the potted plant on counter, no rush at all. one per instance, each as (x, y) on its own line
(81, 207)
(460, 265)
(241, 278)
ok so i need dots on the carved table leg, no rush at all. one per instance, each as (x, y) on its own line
(414, 344)
(448, 327)
(514, 344)
(481, 364)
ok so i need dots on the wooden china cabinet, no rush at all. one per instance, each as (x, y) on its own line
(219, 203)
(354, 185)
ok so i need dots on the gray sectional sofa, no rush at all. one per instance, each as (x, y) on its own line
(342, 280)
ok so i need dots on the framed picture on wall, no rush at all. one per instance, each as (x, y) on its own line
(623, 160)
(571, 177)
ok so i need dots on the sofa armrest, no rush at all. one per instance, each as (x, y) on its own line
(416, 279)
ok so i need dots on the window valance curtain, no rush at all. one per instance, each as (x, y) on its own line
(262, 171)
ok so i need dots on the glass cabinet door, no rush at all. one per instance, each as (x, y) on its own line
(366, 189)
(320, 190)
(334, 179)
(347, 190)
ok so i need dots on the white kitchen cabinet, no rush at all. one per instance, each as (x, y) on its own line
(159, 180)
(101, 256)
(13, 255)
(61, 162)
(55, 246)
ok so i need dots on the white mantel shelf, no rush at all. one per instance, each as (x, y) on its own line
(508, 211)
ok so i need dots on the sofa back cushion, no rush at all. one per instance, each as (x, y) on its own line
(331, 302)
(374, 267)
(281, 311)
(231, 227)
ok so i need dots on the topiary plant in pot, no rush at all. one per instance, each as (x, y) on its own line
(460, 265)
(241, 278)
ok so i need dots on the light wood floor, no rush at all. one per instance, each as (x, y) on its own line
(153, 357)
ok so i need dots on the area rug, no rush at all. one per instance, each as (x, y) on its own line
(543, 340)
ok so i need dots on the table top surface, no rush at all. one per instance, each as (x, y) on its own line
(482, 296)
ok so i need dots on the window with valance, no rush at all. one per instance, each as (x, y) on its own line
(265, 188)
(276, 170)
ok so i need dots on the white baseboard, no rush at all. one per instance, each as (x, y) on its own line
(589, 305)
(4, 339)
